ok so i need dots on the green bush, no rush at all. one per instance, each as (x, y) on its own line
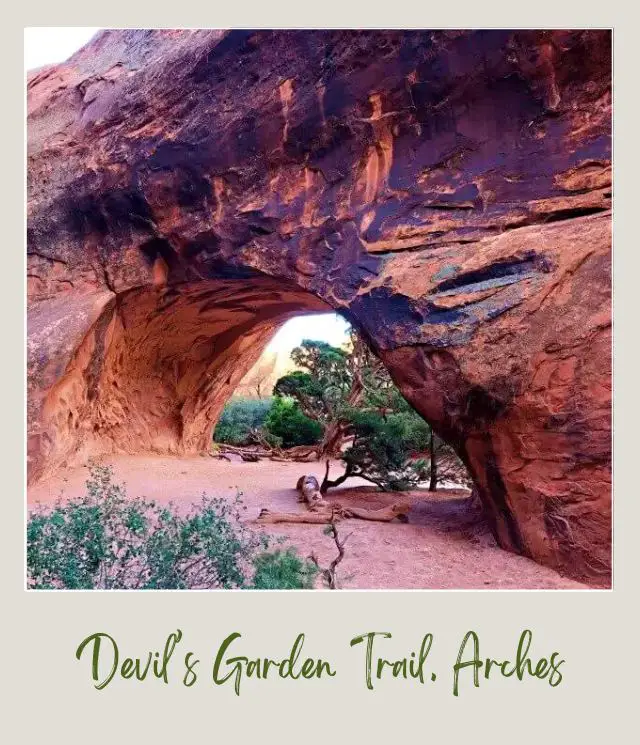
(105, 540)
(381, 448)
(283, 570)
(239, 418)
(286, 421)
(415, 431)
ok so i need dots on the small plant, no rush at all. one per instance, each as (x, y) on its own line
(283, 570)
(106, 540)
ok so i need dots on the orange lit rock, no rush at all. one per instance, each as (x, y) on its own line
(448, 192)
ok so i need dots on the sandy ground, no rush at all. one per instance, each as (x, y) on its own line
(443, 546)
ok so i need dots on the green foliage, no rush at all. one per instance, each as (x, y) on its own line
(351, 393)
(283, 570)
(323, 360)
(106, 540)
(287, 422)
(416, 432)
(322, 384)
(304, 388)
(382, 448)
(240, 418)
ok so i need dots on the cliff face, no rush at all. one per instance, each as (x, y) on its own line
(449, 192)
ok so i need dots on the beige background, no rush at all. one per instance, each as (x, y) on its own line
(48, 695)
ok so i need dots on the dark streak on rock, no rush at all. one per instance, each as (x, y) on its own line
(493, 271)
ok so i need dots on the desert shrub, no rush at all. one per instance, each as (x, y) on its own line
(283, 570)
(106, 540)
(381, 449)
(240, 418)
(287, 421)
(416, 433)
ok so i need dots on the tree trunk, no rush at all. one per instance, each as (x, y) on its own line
(336, 431)
(433, 477)
(332, 441)
(328, 484)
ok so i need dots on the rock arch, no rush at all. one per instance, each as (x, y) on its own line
(449, 192)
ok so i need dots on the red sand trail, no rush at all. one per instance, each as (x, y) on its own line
(442, 546)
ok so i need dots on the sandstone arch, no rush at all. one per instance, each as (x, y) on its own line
(449, 192)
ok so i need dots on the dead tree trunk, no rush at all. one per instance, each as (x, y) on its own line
(433, 476)
(337, 431)
(396, 511)
(329, 574)
(327, 483)
(332, 441)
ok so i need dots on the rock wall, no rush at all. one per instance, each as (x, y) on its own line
(448, 192)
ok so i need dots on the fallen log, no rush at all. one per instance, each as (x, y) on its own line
(385, 514)
(336, 512)
(317, 518)
(299, 453)
(322, 512)
(296, 458)
(247, 454)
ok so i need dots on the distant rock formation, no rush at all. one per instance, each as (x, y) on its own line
(262, 377)
(449, 192)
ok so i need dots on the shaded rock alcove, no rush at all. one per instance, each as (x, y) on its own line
(448, 192)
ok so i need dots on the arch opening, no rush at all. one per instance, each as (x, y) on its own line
(341, 380)
(157, 366)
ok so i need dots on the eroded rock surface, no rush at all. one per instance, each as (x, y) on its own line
(449, 192)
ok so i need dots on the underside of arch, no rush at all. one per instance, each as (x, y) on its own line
(158, 364)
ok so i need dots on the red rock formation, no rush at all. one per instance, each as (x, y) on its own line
(449, 192)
